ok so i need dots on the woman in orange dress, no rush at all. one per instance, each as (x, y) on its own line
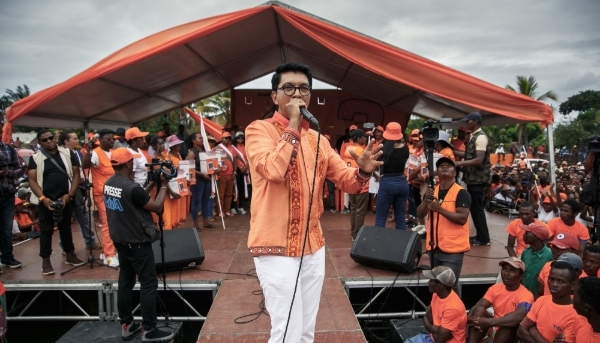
(180, 213)
(158, 144)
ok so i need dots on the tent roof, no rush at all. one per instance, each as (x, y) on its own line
(190, 62)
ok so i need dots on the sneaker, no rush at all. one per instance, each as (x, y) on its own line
(417, 228)
(12, 264)
(345, 210)
(128, 331)
(333, 210)
(112, 261)
(478, 242)
(241, 211)
(422, 231)
(156, 335)
(229, 214)
(472, 238)
(47, 266)
(73, 260)
(233, 211)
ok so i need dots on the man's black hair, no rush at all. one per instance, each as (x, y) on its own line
(293, 67)
(543, 180)
(589, 291)
(594, 249)
(566, 265)
(495, 178)
(526, 204)
(574, 205)
(154, 140)
(64, 135)
(41, 132)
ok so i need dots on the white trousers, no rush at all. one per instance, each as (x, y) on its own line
(277, 276)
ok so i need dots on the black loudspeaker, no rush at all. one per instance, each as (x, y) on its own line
(392, 249)
(182, 247)
(402, 329)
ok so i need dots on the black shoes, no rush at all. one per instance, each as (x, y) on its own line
(12, 264)
(156, 335)
(128, 331)
(478, 242)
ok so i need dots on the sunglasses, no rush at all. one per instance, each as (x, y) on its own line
(226, 138)
(44, 140)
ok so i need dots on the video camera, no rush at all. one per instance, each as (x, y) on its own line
(430, 133)
(57, 210)
(166, 168)
(593, 144)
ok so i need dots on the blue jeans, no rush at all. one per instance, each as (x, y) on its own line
(7, 215)
(201, 197)
(393, 191)
(81, 216)
(420, 338)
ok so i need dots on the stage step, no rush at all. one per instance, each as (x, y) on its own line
(110, 332)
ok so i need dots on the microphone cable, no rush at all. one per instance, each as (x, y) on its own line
(310, 202)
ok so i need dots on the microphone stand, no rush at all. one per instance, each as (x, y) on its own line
(91, 260)
(161, 224)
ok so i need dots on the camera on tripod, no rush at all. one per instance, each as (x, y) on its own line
(57, 210)
(430, 133)
(157, 167)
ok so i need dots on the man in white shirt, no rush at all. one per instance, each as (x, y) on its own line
(548, 209)
(135, 140)
(505, 194)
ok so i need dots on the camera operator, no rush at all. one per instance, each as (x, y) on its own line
(133, 230)
(10, 170)
(476, 174)
(54, 179)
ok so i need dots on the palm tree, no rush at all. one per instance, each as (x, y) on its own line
(217, 107)
(497, 134)
(528, 87)
(11, 97)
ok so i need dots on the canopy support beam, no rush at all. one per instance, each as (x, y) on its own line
(114, 83)
(339, 85)
(197, 54)
(550, 129)
(279, 41)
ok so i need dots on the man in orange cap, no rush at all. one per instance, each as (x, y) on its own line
(347, 140)
(135, 141)
(459, 141)
(98, 160)
(132, 229)
(536, 254)
(227, 177)
(563, 243)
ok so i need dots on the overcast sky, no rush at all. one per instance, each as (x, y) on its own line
(45, 42)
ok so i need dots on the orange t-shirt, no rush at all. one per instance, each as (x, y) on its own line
(506, 301)
(358, 149)
(583, 274)
(584, 332)
(447, 152)
(556, 225)
(543, 277)
(450, 313)
(515, 230)
(552, 319)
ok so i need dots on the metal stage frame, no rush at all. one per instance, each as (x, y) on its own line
(405, 283)
(107, 299)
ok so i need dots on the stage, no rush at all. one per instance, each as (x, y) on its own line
(226, 276)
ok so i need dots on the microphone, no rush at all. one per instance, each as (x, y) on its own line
(308, 116)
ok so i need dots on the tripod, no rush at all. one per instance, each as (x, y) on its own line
(91, 260)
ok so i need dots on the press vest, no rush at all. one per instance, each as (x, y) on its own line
(126, 222)
(450, 237)
(481, 173)
(101, 172)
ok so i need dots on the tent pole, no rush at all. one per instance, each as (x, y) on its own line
(551, 156)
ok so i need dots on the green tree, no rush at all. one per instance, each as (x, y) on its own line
(529, 87)
(217, 108)
(581, 102)
(414, 123)
(9, 98)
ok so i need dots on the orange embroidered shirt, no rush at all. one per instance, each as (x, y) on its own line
(282, 163)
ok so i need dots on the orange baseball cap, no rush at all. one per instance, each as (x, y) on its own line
(539, 230)
(160, 133)
(134, 132)
(120, 156)
(379, 128)
(565, 240)
(513, 261)
(225, 134)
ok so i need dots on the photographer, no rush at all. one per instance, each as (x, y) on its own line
(10, 170)
(54, 179)
(133, 230)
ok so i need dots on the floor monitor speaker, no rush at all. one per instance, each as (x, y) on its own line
(392, 249)
(182, 247)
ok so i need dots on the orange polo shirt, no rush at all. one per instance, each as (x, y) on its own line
(282, 162)
(557, 225)
(584, 332)
(505, 301)
(447, 152)
(515, 230)
(450, 313)
(552, 319)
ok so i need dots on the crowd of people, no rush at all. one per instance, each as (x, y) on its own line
(547, 289)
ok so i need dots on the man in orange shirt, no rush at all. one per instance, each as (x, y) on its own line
(591, 261)
(282, 157)
(562, 249)
(586, 303)
(459, 141)
(347, 143)
(446, 318)
(515, 233)
(227, 175)
(359, 202)
(567, 223)
(553, 314)
(99, 160)
(511, 302)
